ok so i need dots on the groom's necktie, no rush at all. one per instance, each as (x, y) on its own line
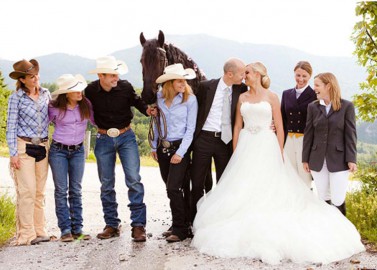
(226, 127)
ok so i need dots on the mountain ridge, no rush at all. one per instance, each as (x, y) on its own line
(209, 53)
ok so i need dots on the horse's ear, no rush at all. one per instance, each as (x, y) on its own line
(161, 38)
(142, 39)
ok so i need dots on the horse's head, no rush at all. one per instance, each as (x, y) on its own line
(153, 60)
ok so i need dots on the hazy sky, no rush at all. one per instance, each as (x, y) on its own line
(30, 28)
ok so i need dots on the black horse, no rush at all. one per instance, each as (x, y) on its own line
(155, 57)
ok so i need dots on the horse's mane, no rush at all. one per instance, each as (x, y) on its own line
(175, 55)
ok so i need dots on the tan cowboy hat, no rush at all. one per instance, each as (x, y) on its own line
(109, 65)
(67, 83)
(24, 67)
(176, 71)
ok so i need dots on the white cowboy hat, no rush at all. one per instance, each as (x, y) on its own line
(176, 71)
(109, 65)
(67, 83)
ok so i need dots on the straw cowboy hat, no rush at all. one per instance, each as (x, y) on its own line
(109, 65)
(24, 67)
(68, 83)
(176, 71)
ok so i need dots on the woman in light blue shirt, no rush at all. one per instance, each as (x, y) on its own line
(70, 112)
(179, 106)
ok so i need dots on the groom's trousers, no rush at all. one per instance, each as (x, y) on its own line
(206, 146)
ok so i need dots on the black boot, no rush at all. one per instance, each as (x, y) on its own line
(342, 208)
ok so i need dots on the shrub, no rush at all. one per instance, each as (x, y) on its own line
(362, 204)
(7, 218)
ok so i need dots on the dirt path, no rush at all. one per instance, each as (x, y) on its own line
(122, 253)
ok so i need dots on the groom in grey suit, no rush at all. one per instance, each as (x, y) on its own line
(209, 142)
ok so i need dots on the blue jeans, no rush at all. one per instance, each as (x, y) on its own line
(67, 171)
(105, 151)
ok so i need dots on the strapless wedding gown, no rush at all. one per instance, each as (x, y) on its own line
(261, 209)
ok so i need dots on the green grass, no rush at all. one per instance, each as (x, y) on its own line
(7, 218)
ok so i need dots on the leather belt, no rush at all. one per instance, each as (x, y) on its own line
(297, 135)
(113, 132)
(73, 147)
(171, 144)
(35, 140)
(216, 134)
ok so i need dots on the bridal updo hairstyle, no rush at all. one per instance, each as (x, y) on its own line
(262, 70)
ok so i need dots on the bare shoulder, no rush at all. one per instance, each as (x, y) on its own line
(273, 97)
(244, 96)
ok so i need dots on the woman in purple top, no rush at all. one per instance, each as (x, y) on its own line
(70, 112)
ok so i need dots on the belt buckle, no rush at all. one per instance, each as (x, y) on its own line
(217, 134)
(166, 144)
(113, 132)
(36, 140)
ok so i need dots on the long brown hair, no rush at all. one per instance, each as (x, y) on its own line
(335, 96)
(61, 102)
(21, 85)
(168, 91)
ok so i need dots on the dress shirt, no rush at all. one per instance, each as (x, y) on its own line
(26, 117)
(213, 121)
(112, 109)
(328, 107)
(180, 120)
(69, 127)
(300, 90)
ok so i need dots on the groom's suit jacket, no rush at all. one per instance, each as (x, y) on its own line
(330, 136)
(205, 96)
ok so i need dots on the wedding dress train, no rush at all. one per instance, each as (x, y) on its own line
(261, 209)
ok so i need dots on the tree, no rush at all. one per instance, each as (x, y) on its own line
(4, 95)
(365, 38)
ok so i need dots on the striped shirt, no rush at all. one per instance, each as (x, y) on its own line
(26, 117)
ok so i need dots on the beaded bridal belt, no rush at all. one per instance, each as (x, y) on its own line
(255, 129)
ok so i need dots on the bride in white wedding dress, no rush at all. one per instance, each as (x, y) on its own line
(260, 207)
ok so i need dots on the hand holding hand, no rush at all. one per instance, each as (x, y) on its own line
(175, 159)
(152, 111)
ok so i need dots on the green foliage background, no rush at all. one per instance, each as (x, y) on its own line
(365, 37)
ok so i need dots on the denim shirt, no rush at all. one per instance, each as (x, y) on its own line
(180, 120)
(26, 117)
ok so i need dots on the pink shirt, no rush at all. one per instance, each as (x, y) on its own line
(70, 129)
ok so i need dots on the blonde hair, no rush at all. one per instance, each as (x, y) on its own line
(168, 91)
(304, 65)
(335, 96)
(262, 70)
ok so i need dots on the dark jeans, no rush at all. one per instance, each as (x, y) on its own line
(174, 176)
(105, 150)
(205, 148)
(67, 167)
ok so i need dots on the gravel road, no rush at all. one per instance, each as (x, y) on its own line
(121, 252)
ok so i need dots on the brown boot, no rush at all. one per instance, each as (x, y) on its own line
(108, 232)
(138, 234)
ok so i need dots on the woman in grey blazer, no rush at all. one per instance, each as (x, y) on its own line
(329, 150)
